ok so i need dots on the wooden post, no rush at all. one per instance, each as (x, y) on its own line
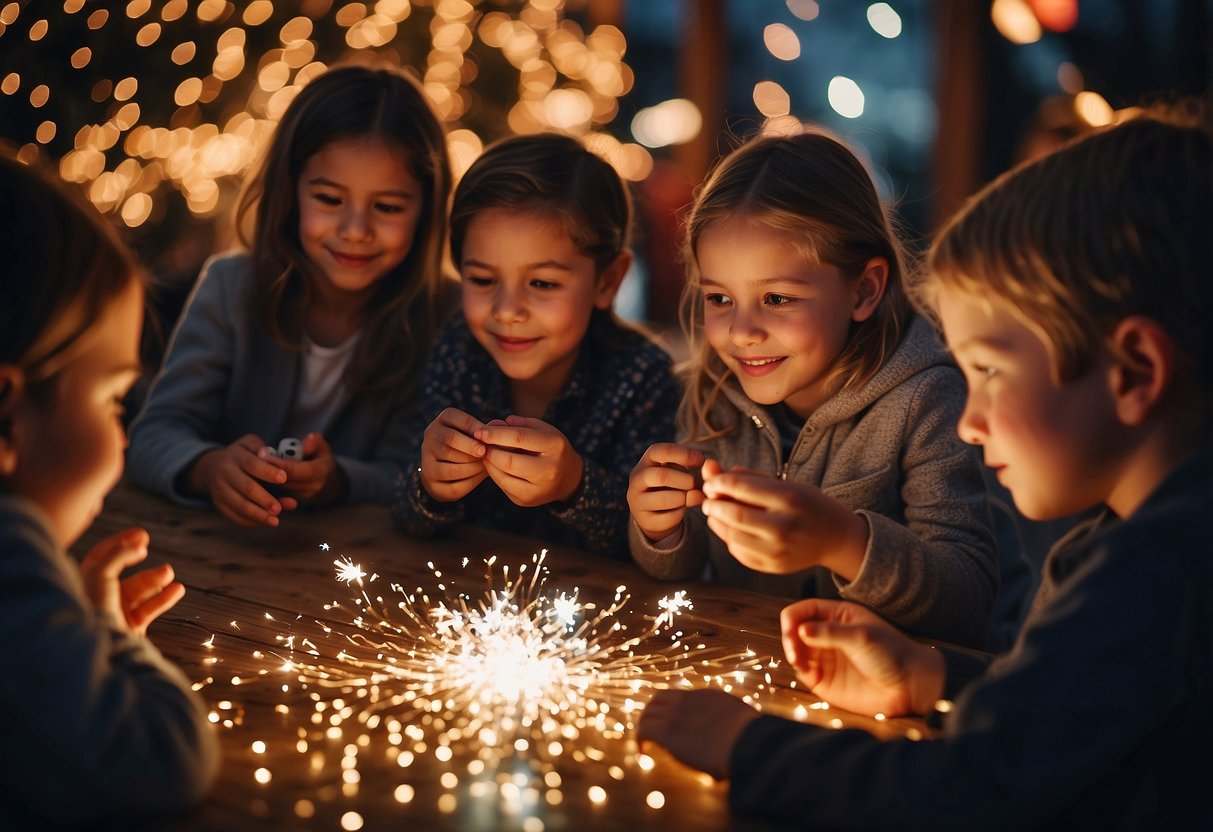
(961, 87)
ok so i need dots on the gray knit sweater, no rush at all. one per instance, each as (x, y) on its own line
(890, 451)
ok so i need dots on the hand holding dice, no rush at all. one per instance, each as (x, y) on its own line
(289, 448)
(312, 476)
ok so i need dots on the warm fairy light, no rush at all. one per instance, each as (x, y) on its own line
(884, 20)
(655, 800)
(675, 121)
(1015, 21)
(1094, 109)
(845, 97)
(804, 9)
(351, 821)
(781, 42)
(771, 99)
(38, 31)
(262, 775)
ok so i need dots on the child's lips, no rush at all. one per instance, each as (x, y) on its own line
(760, 365)
(511, 344)
(351, 260)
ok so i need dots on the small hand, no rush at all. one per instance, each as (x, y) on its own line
(779, 526)
(315, 479)
(452, 461)
(662, 487)
(853, 658)
(232, 477)
(699, 727)
(531, 461)
(134, 602)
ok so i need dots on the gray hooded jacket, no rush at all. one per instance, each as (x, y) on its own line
(890, 451)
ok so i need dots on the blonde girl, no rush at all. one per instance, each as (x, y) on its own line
(820, 413)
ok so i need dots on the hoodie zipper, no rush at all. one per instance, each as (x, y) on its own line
(783, 465)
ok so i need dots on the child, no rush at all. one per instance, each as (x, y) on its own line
(320, 330)
(97, 723)
(539, 387)
(829, 406)
(1075, 294)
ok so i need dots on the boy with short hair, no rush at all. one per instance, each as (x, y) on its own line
(1076, 296)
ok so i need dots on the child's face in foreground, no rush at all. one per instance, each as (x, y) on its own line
(1053, 445)
(359, 205)
(775, 319)
(528, 293)
(72, 453)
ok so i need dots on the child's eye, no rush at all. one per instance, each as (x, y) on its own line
(778, 300)
(716, 299)
(478, 280)
(984, 371)
(544, 284)
(389, 208)
(326, 199)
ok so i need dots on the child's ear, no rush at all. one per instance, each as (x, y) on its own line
(1143, 364)
(610, 278)
(869, 289)
(12, 396)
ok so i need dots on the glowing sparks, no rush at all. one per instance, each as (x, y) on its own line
(324, 547)
(671, 606)
(508, 671)
(349, 571)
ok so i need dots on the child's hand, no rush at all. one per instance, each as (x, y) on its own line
(452, 461)
(853, 658)
(531, 461)
(699, 727)
(132, 603)
(778, 526)
(313, 480)
(662, 487)
(232, 477)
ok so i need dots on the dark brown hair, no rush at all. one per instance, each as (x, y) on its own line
(549, 174)
(353, 102)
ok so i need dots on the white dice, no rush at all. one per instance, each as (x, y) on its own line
(289, 448)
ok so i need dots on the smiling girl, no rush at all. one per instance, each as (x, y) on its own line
(538, 387)
(820, 412)
(320, 330)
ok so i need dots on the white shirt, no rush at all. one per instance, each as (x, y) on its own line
(321, 390)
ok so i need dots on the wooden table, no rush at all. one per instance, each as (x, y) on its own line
(294, 757)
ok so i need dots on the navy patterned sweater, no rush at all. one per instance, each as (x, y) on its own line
(621, 397)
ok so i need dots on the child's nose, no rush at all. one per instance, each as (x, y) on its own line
(508, 306)
(355, 225)
(972, 426)
(745, 330)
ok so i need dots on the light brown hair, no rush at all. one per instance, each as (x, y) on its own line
(1114, 224)
(811, 188)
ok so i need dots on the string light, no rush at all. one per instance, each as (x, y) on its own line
(568, 80)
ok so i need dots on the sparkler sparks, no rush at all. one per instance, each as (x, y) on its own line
(505, 677)
(516, 657)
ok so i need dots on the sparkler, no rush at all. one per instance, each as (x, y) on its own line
(493, 690)
(507, 668)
